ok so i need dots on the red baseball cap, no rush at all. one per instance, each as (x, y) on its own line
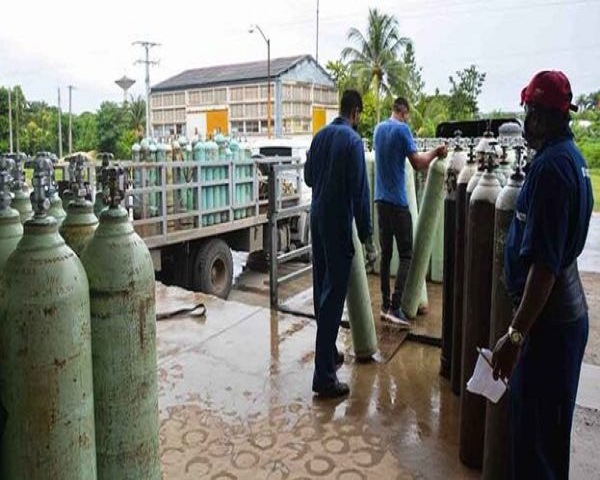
(549, 89)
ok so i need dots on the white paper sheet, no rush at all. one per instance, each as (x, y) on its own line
(482, 382)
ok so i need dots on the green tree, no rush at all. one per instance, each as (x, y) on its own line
(428, 113)
(409, 78)
(374, 58)
(111, 121)
(85, 132)
(340, 72)
(137, 116)
(464, 92)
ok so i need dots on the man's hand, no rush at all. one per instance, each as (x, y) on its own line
(441, 151)
(370, 254)
(505, 357)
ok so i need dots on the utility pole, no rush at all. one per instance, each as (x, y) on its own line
(17, 124)
(70, 87)
(317, 51)
(147, 62)
(60, 152)
(10, 131)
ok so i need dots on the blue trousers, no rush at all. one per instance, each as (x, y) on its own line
(543, 390)
(331, 272)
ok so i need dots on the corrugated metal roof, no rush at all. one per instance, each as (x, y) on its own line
(225, 74)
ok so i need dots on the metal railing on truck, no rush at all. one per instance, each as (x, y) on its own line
(177, 201)
(280, 208)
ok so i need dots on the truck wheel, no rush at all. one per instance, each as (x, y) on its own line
(213, 269)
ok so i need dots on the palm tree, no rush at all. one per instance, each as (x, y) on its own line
(374, 58)
(136, 109)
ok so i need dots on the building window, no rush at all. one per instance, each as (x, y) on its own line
(287, 126)
(237, 127)
(180, 115)
(206, 97)
(251, 126)
(194, 97)
(236, 94)
(263, 126)
(252, 110)
(251, 92)
(221, 95)
(157, 100)
(179, 98)
(286, 92)
(236, 111)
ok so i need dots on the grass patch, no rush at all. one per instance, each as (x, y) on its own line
(595, 175)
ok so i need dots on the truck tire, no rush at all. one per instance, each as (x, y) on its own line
(213, 268)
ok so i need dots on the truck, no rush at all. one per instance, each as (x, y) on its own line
(192, 214)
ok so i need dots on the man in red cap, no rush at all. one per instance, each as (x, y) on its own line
(543, 349)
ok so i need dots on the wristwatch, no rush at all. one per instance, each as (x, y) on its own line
(516, 337)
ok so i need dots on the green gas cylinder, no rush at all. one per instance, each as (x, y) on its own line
(80, 223)
(358, 299)
(45, 353)
(20, 202)
(199, 151)
(11, 229)
(431, 209)
(234, 146)
(56, 206)
(123, 312)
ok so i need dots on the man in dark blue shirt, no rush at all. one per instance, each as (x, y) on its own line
(546, 340)
(335, 169)
(393, 145)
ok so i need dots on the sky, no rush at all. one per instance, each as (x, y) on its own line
(88, 44)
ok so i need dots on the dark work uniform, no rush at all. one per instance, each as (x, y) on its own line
(393, 143)
(550, 228)
(335, 169)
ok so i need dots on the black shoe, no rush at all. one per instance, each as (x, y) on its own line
(339, 359)
(338, 389)
(345, 324)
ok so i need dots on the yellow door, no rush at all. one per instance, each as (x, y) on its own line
(216, 121)
(319, 119)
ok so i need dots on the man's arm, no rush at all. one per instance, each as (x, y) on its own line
(421, 160)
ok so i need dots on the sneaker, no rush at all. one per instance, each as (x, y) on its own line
(336, 390)
(396, 317)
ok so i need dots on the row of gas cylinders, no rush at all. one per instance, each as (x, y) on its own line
(473, 197)
(78, 371)
(478, 207)
(218, 148)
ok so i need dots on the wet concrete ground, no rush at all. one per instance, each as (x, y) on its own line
(236, 402)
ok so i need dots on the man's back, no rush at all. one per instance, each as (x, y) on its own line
(393, 143)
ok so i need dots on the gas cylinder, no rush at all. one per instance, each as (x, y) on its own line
(199, 152)
(358, 299)
(56, 207)
(45, 352)
(245, 151)
(234, 146)
(497, 457)
(135, 152)
(459, 267)
(431, 209)
(456, 163)
(411, 195)
(123, 312)
(11, 229)
(80, 223)
(476, 319)
(105, 160)
(20, 202)
(504, 170)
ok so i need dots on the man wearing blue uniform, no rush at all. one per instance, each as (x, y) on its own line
(546, 340)
(335, 169)
(393, 144)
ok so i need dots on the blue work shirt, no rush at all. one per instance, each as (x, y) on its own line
(551, 219)
(393, 143)
(335, 169)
